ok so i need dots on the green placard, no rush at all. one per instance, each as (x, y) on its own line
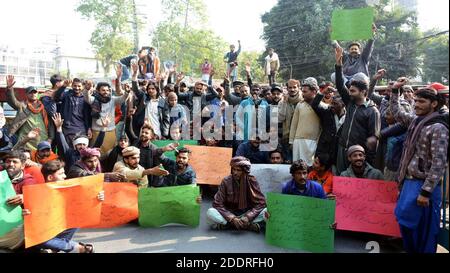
(300, 222)
(160, 206)
(10, 216)
(171, 154)
(352, 24)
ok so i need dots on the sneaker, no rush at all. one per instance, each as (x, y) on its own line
(46, 250)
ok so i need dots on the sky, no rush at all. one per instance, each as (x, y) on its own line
(29, 23)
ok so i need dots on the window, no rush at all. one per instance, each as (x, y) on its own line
(2, 69)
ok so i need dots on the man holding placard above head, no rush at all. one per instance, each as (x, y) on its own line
(356, 59)
(239, 203)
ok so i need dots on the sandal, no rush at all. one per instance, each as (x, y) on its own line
(88, 248)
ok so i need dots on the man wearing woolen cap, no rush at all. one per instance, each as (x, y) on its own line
(305, 125)
(359, 168)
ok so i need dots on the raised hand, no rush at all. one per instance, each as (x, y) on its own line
(180, 77)
(119, 71)
(134, 69)
(33, 134)
(171, 147)
(380, 73)
(248, 68)
(57, 120)
(10, 81)
(106, 120)
(89, 85)
(400, 82)
(67, 83)
(339, 53)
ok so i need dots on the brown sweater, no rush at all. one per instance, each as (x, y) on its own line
(226, 200)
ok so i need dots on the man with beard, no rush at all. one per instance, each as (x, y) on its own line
(133, 172)
(15, 164)
(300, 185)
(110, 158)
(359, 168)
(276, 94)
(201, 90)
(180, 172)
(30, 114)
(286, 110)
(244, 114)
(103, 105)
(331, 119)
(74, 110)
(250, 149)
(239, 202)
(362, 121)
(422, 167)
(354, 61)
(80, 142)
(89, 164)
(150, 155)
(305, 127)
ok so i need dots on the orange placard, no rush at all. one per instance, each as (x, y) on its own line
(58, 206)
(211, 164)
(120, 205)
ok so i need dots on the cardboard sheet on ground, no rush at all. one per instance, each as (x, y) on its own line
(211, 164)
(300, 222)
(352, 24)
(366, 205)
(10, 216)
(120, 205)
(271, 176)
(56, 207)
(167, 205)
(171, 154)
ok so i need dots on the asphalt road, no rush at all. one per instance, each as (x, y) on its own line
(180, 239)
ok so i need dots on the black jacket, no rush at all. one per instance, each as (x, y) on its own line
(361, 122)
(329, 136)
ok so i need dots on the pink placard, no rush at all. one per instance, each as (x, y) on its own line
(366, 205)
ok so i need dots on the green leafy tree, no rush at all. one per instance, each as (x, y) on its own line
(435, 57)
(187, 12)
(112, 38)
(186, 40)
(299, 31)
(252, 58)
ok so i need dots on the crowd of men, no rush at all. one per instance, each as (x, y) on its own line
(340, 128)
